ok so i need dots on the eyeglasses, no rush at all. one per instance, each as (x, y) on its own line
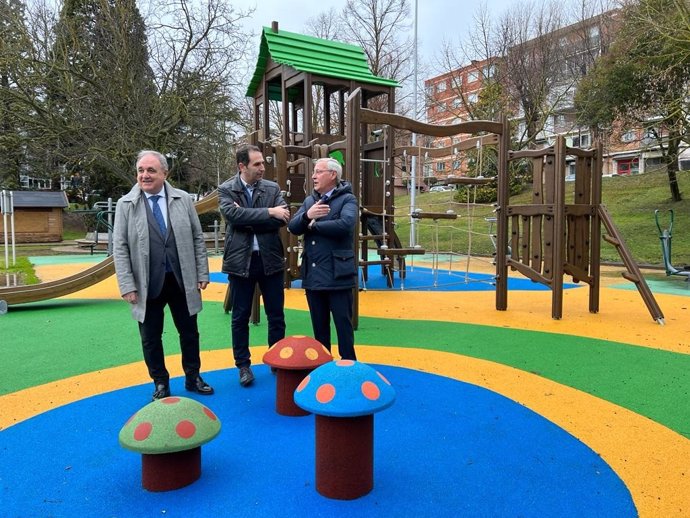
(319, 171)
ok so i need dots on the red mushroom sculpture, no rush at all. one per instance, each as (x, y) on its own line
(344, 395)
(294, 357)
(169, 433)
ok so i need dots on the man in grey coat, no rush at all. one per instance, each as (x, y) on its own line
(160, 259)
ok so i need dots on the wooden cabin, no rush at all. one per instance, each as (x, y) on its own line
(37, 216)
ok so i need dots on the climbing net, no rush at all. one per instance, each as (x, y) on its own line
(455, 229)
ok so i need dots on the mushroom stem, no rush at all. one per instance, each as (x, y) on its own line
(344, 456)
(168, 471)
(286, 383)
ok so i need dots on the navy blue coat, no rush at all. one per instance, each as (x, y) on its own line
(328, 258)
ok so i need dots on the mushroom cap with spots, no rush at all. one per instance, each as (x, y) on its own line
(344, 388)
(297, 353)
(169, 425)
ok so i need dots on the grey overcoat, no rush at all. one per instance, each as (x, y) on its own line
(131, 247)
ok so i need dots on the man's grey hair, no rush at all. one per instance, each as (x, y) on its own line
(333, 165)
(161, 158)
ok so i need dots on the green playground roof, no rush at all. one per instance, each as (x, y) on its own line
(315, 56)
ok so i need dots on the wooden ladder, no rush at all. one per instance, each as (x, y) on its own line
(633, 273)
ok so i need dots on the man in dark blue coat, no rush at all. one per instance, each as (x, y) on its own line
(254, 211)
(328, 219)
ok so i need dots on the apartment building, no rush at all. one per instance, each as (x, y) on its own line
(566, 54)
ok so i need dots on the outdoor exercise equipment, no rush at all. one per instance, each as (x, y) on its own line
(665, 236)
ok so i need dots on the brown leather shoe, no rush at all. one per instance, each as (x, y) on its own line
(199, 386)
(246, 376)
(162, 390)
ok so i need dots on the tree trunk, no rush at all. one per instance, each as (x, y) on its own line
(673, 183)
(672, 165)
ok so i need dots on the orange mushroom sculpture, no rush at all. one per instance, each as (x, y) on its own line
(294, 357)
(344, 395)
(169, 433)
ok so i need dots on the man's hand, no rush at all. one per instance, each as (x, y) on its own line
(281, 212)
(202, 285)
(131, 297)
(318, 210)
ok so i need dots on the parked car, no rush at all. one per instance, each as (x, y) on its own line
(440, 188)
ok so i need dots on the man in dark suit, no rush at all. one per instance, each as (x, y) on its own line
(327, 219)
(254, 210)
(160, 259)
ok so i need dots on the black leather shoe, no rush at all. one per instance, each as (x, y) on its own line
(246, 376)
(162, 390)
(199, 386)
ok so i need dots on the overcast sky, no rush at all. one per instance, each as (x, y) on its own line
(437, 19)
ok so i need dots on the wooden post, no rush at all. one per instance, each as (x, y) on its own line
(595, 232)
(502, 217)
(558, 235)
(352, 173)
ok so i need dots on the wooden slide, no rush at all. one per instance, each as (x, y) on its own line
(50, 290)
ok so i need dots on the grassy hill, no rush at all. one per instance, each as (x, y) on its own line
(630, 200)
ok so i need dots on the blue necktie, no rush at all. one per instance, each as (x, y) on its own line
(158, 214)
(248, 195)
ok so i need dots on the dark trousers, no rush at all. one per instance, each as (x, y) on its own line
(151, 331)
(323, 304)
(241, 296)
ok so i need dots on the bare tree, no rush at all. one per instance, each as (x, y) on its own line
(381, 28)
(328, 26)
(198, 54)
(480, 54)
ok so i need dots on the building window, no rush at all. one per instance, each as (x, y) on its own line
(472, 76)
(29, 182)
(440, 166)
(594, 36)
(582, 140)
(472, 98)
(441, 87)
(628, 136)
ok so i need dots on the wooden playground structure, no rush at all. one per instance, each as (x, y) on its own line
(544, 240)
